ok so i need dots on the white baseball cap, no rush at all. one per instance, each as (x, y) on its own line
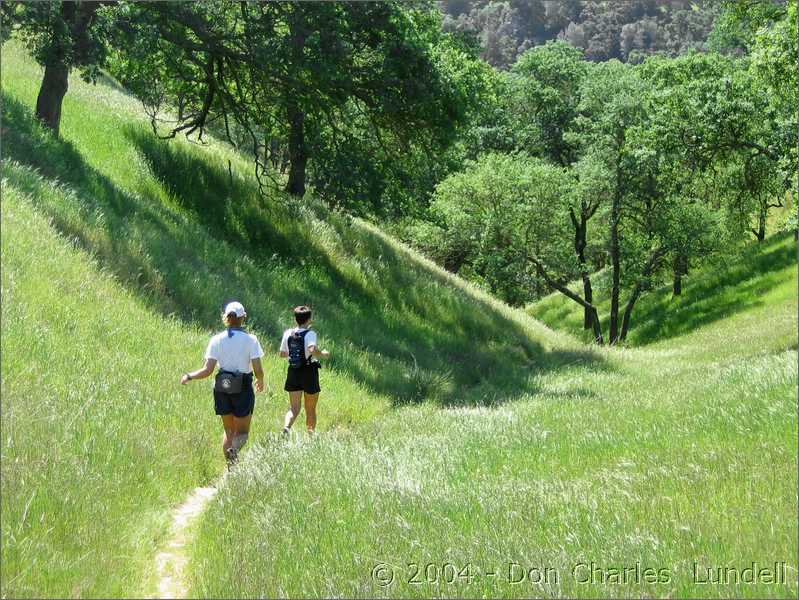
(236, 308)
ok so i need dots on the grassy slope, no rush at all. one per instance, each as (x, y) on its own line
(708, 295)
(98, 441)
(94, 438)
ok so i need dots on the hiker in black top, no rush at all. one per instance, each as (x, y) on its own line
(302, 379)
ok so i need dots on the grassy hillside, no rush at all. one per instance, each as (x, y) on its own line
(118, 252)
(708, 295)
(453, 429)
(184, 227)
(96, 437)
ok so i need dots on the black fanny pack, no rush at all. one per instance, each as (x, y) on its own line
(229, 383)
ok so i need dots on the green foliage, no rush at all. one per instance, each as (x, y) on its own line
(739, 21)
(349, 88)
(492, 213)
(543, 99)
(714, 113)
(671, 162)
(773, 70)
(52, 34)
(393, 175)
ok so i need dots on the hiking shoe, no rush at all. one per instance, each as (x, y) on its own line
(232, 456)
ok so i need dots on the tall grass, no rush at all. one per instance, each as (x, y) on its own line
(677, 458)
(96, 437)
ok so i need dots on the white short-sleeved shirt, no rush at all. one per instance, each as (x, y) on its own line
(310, 339)
(234, 353)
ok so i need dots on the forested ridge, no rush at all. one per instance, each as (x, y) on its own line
(626, 30)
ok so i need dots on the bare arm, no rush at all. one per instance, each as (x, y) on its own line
(259, 374)
(210, 363)
(314, 351)
(283, 344)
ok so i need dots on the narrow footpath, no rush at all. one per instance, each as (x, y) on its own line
(170, 563)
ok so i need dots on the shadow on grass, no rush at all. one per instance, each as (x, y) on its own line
(197, 236)
(738, 287)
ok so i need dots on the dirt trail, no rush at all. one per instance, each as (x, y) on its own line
(170, 563)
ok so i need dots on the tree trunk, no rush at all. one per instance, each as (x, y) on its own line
(597, 327)
(298, 153)
(625, 322)
(588, 294)
(274, 153)
(298, 157)
(571, 295)
(580, 228)
(51, 94)
(78, 17)
(680, 268)
(579, 247)
(589, 307)
(616, 268)
(651, 265)
(760, 234)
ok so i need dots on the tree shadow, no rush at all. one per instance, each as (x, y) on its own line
(201, 236)
(738, 287)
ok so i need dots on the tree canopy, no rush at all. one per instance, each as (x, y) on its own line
(305, 79)
(566, 169)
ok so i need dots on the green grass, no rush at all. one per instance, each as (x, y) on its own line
(453, 428)
(95, 435)
(678, 454)
(710, 294)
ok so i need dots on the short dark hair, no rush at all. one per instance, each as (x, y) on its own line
(302, 314)
(232, 320)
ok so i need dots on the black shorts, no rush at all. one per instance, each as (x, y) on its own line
(241, 404)
(303, 379)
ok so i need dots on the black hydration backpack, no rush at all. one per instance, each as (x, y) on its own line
(296, 343)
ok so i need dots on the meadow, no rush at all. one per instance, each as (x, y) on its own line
(678, 457)
(453, 429)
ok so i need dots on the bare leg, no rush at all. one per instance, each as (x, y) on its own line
(241, 431)
(294, 409)
(310, 411)
(242, 424)
(230, 431)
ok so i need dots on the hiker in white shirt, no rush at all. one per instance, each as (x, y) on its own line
(238, 355)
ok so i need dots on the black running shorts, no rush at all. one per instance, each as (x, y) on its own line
(303, 379)
(241, 404)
